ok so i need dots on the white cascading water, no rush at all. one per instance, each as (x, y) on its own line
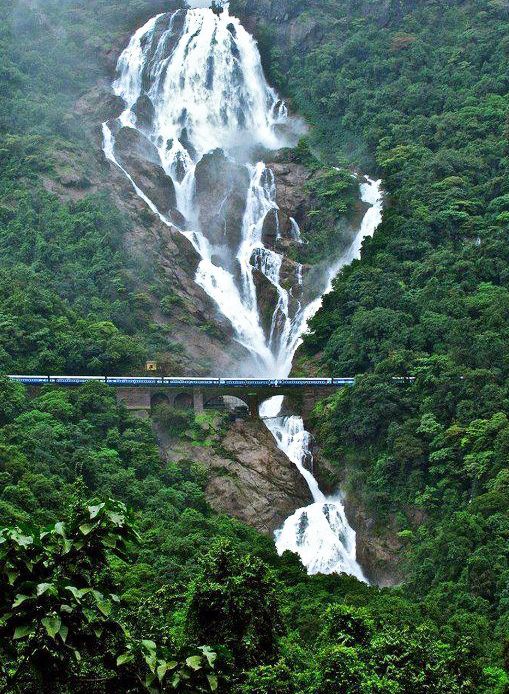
(202, 75)
(320, 533)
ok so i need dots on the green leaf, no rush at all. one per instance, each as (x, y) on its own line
(44, 587)
(213, 682)
(59, 529)
(90, 615)
(105, 607)
(20, 599)
(117, 519)
(149, 645)
(87, 528)
(125, 658)
(162, 670)
(194, 662)
(63, 632)
(95, 510)
(22, 540)
(78, 593)
(209, 654)
(23, 630)
(52, 625)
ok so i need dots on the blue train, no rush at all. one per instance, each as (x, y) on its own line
(154, 381)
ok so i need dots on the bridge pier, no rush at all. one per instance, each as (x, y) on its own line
(253, 404)
(198, 401)
(136, 400)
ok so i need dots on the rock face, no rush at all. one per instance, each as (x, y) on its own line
(296, 24)
(292, 199)
(221, 190)
(250, 478)
(141, 160)
(199, 338)
(378, 550)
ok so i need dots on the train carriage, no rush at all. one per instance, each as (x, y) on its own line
(299, 382)
(29, 380)
(191, 382)
(132, 382)
(249, 382)
(75, 380)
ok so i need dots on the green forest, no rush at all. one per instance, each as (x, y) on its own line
(115, 573)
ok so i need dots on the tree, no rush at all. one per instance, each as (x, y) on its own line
(234, 602)
(59, 630)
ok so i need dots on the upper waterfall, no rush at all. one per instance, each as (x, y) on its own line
(203, 75)
(195, 94)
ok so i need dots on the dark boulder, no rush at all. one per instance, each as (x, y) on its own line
(221, 193)
(140, 158)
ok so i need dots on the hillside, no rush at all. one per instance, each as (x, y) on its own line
(120, 566)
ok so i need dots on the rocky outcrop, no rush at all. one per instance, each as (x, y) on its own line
(141, 160)
(293, 201)
(304, 25)
(284, 18)
(249, 477)
(378, 548)
(221, 191)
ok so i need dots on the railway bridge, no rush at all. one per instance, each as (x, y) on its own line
(142, 400)
(141, 394)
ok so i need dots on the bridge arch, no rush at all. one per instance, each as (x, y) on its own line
(230, 403)
(159, 399)
(183, 401)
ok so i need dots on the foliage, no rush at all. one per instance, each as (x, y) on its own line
(414, 92)
(57, 622)
(68, 289)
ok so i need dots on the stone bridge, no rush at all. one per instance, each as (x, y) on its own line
(142, 400)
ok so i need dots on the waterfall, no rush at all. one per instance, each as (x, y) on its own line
(320, 533)
(199, 110)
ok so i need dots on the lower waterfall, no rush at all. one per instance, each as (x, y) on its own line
(198, 113)
(320, 533)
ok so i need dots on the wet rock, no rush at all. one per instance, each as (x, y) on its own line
(141, 160)
(144, 112)
(293, 201)
(221, 190)
(270, 230)
(249, 477)
(267, 296)
(292, 197)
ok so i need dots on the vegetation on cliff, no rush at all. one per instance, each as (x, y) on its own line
(188, 597)
(414, 91)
